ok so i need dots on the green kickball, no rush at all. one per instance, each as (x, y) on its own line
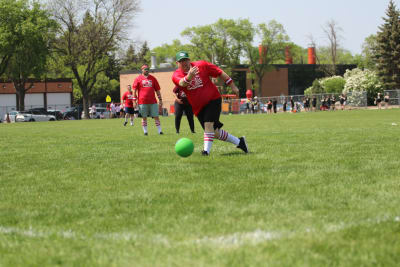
(184, 147)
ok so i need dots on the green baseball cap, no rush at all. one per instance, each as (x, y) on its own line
(181, 55)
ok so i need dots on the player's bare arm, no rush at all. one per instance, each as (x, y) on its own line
(228, 81)
(160, 103)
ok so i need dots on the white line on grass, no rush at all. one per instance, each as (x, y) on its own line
(233, 240)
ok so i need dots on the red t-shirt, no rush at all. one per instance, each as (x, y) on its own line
(128, 97)
(201, 90)
(146, 87)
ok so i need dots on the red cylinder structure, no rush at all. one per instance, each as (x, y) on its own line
(262, 52)
(311, 55)
(249, 93)
(288, 56)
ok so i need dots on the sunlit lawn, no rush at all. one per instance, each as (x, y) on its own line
(317, 189)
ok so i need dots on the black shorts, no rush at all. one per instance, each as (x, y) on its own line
(129, 111)
(210, 113)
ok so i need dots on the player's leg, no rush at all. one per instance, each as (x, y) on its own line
(178, 116)
(132, 118)
(126, 116)
(189, 116)
(143, 109)
(154, 113)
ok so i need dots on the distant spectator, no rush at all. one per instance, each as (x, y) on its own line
(117, 111)
(101, 115)
(378, 101)
(269, 106)
(292, 104)
(92, 112)
(314, 103)
(342, 100)
(333, 102)
(386, 99)
(113, 110)
(284, 104)
(274, 102)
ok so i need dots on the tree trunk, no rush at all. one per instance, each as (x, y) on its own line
(20, 89)
(260, 78)
(85, 102)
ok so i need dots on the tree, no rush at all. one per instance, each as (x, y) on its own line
(273, 39)
(367, 58)
(387, 53)
(10, 17)
(33, 32)
(220, 43)
(332, 32)
(89, 31)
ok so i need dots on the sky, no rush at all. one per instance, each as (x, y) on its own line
(161, 21)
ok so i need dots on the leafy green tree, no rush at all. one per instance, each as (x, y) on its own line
(387, 52)
(89, 32)
(274, 38)
(33, 31)
(366, 60)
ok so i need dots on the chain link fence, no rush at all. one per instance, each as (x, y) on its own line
(353, 100)
(394, 97)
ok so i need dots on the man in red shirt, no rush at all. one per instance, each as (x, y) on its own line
(128, 101)
(194, 79)
(145, 85)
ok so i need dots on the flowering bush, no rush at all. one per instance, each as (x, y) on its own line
(358, 80)
(331, 85)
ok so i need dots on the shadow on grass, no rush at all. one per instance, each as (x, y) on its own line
(235, 154)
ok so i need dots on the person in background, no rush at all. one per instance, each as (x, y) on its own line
(194, 79)
(333, 102)
(146, 87)
(386, 100)
(378, 100)
(342, 101)
(274, 103)
(314, 103)
(182, 105)
(292, 104)
(284, 104)
(269, 106)
(129, 102)
(117, 111)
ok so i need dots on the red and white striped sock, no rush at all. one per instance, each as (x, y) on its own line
(208, 141)
(227, 137)
(144, 126)
(158, 124)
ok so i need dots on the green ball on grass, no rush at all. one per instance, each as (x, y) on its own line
(184, 147)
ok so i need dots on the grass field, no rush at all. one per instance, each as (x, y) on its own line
(317, 189)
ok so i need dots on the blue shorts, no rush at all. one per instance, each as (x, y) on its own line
(148, 110)
(129, 111)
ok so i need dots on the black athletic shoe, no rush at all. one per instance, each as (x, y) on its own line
(193, 132)
(204, 153)
(146, 134)
(125, 123)
(161, 133)
(243, 145)
(177, 132)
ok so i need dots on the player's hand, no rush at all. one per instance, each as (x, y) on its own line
(179, 101)
(193, 72)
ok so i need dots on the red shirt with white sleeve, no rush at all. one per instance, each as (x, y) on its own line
(146, 88)
(201, 89)
(128, 97)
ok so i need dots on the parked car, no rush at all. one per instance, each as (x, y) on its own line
(43, 111)
(33, 116)
(12, 116)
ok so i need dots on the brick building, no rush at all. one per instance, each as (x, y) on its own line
(47, 94)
